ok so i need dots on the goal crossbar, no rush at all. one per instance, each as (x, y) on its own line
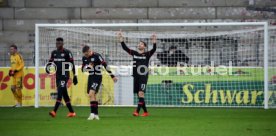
(264, 25)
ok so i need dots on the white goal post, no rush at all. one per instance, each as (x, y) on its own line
(246, 44)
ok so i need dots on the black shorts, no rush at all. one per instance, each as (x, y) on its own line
(140, 83)
(61, 81)
(94, 83)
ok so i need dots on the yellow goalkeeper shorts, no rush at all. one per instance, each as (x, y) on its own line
(17, 82)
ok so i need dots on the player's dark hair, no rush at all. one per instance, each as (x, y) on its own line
(85, 48)
(59, 39)
(13, 46)
(144, 43)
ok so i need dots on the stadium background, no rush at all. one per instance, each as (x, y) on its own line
(18, 18)
(17, 24)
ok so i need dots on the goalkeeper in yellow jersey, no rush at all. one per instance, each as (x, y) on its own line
(16, 73)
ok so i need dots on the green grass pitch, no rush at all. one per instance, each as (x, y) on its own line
(120, 122)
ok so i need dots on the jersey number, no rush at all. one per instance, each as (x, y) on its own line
(94, 85)
(143, 86)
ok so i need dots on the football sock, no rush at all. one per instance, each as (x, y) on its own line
(69, 106)
(15, 95)
(144, 105)
(140, 104)
(96, 111)
(93, 106)
(19, 95)
(57, 105)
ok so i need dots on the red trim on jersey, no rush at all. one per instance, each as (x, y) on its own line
(93, 105)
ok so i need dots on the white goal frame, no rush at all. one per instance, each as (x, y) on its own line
(261, 24)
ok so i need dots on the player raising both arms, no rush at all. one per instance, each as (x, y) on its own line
(92, 63)
(62, 58)
(140, 70)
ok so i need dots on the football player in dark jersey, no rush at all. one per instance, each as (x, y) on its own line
(62, 59)
(92, 63)
(140, 70)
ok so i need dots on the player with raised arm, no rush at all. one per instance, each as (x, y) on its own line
(140, 70)
(92, 63)
(62, 59)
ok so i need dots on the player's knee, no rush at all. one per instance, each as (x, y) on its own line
(141, 94)
(59, 97)
(59, 94)
(66, 99)
(13, 88)
(92, 94)
(93, 98)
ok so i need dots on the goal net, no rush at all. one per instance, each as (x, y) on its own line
(272, 67)
(195, 64)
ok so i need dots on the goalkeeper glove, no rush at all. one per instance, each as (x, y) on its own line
(11, 73)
